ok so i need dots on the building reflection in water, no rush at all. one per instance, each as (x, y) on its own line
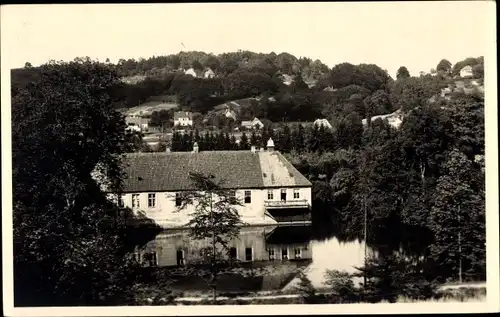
(254, 244)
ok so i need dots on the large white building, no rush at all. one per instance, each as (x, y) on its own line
(270, 188)
(183, 119)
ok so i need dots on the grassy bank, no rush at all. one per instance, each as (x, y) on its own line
(278, 297)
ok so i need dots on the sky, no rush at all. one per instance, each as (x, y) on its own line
(390, 34)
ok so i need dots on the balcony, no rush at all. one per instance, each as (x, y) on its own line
(285, 204)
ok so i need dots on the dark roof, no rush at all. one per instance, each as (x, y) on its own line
(183, 114)
(170, 171)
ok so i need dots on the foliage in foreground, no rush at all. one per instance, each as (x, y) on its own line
(215, 220)
(72, 246)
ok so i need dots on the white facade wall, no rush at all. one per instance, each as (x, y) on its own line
(166, 214)
(183, 122)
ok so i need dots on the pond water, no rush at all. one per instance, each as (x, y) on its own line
(273, 254)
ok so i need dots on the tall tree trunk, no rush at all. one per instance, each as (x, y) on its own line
(459, 249)
(214, 273)
(365, 235)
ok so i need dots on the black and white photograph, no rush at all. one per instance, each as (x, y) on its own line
(288, 157)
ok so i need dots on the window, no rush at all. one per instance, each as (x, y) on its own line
(271, 254)
(248, 197)
(135, 201)
(283, 194)
(296, 194)
(233, 253)
(151, 200)
(178, 200)
(270, 194)
(248, 254)
(298, 253)
(284, 254)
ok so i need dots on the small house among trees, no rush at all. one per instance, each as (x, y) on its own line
(466, 71)
(252, 124)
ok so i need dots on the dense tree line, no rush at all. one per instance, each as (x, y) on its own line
(427, 176)
(298, 139)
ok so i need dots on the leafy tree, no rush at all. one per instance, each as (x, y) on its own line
(298, 138)
(341, 284)
(212, 62)
(254, 140)
(285, 140)
(478, 71)
(305, 288)
(72, 245)
(233, 144)
(458, 219)
(298, 84)
(215, 219)
(395, 275)
(160, 118)
(369, 76)
(444, 66)
(402, 73)
(197, 65)
(244, 144)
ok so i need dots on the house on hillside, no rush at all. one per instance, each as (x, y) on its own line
(270, 188)
(133, 128)
(252, 124)
(137, 120)
(209, 73)
(466, 71)
(183, 119)
(322, 122)
(230, 114)
(394, 119)
(287, 79)
(191, 72)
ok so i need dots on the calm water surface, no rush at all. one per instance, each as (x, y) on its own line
(274, 249)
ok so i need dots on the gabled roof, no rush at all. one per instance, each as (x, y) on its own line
(182, 114)
(158, 172)
(322, 122)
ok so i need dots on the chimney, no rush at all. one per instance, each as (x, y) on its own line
(270, 145)
(195, 147)
(253, 149)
